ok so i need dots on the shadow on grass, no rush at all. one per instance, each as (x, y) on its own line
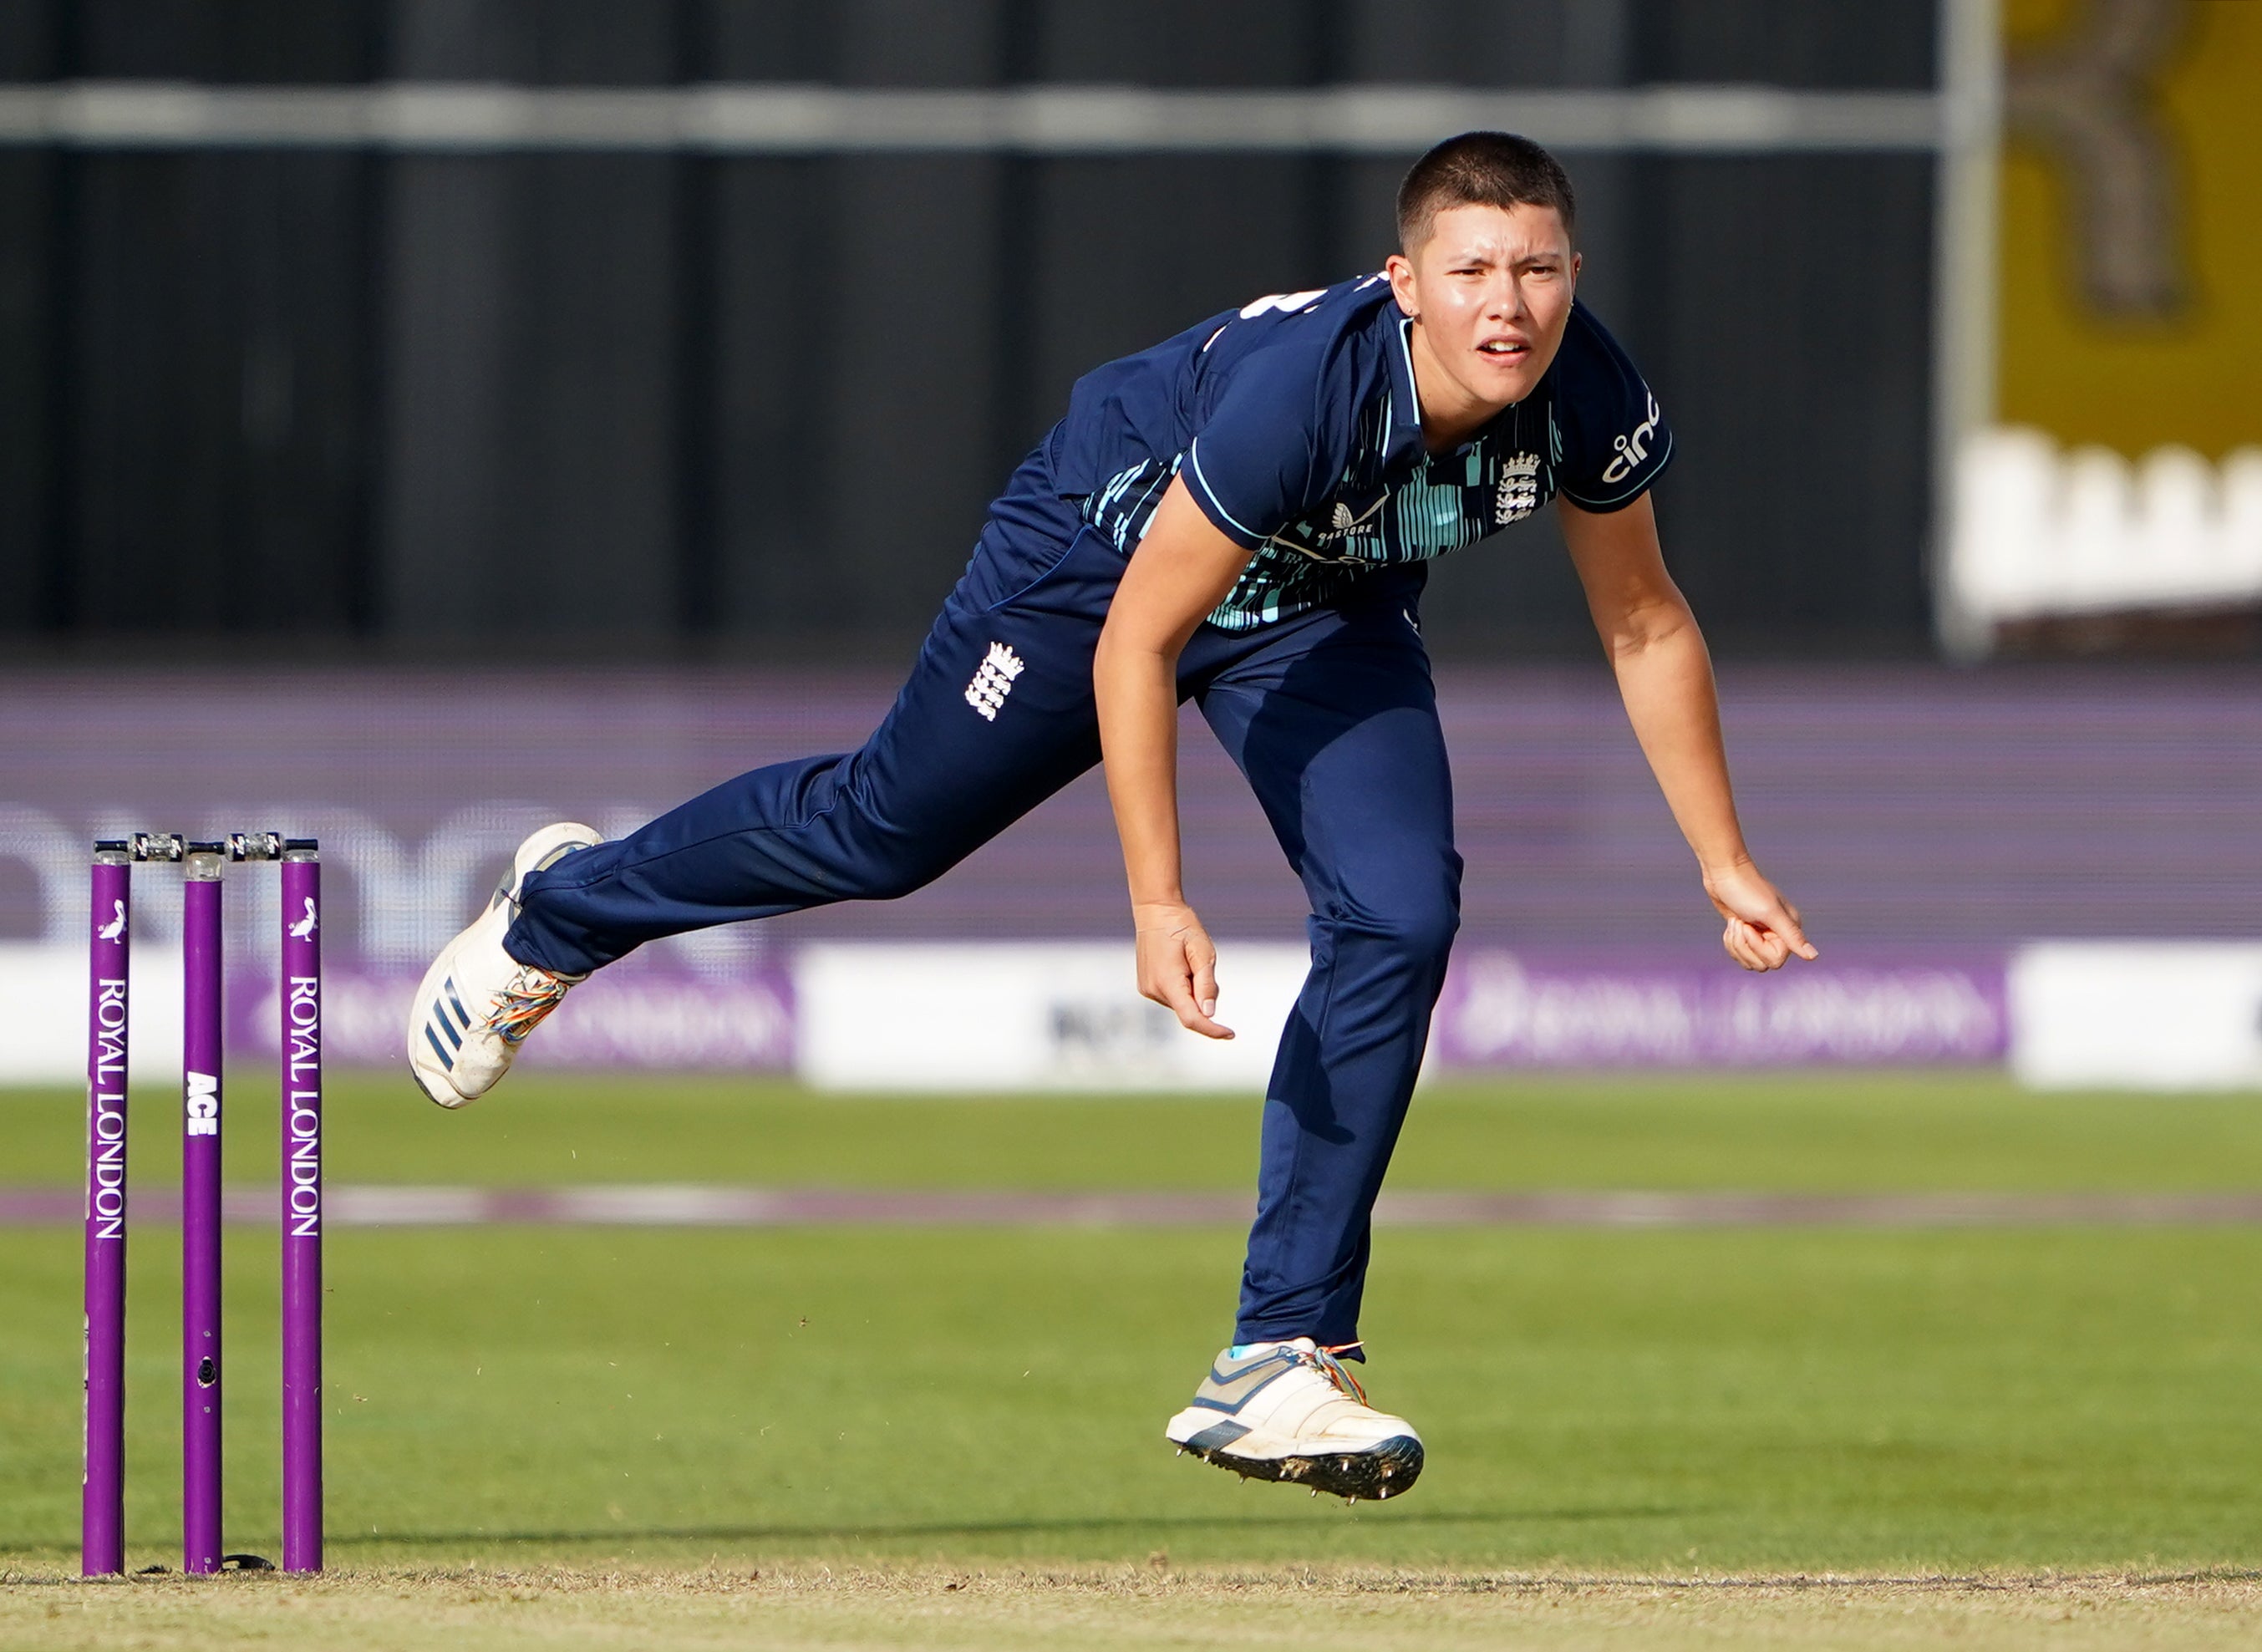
(976, 1528)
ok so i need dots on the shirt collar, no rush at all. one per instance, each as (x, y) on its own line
(1405, 444)
(1405, 400)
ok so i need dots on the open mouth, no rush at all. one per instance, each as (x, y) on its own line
(1505, 349)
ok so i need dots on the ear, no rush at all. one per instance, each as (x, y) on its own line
(1400, 269)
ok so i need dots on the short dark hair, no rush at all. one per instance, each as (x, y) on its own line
(1481, 168)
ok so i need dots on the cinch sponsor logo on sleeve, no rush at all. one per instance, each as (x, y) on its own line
(1634, 448)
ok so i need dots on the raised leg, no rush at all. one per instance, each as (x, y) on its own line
(996, 717)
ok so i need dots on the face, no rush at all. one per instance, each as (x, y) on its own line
(1490, 293)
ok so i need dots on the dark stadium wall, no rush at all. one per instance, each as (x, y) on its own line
(651, 406)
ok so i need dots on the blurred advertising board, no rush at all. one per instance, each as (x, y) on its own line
(1064, 1016)
(1501, 1010)
(1029, 1017)
(642, 1014)
(2144, 1015)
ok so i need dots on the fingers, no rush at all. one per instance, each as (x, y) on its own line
(1193, 1013)
(1763, 930)
(1795, 936)
(1196, 978)
(1180, 974)
(1205, 979)
(1777, 933)
(1756, 948)
(1192, 1018)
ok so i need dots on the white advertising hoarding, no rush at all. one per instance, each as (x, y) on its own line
(2144, 1015)
(43, 1034)
(1064, 1015)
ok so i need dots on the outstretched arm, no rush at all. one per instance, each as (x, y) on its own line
(1666, 677)
(1181, 570)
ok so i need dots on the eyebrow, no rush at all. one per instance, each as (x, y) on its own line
(1466, 259)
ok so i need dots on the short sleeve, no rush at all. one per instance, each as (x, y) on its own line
(1616, 440)
(1276, 443)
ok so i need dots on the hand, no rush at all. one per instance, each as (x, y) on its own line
(1764, 929)
(1177, 966)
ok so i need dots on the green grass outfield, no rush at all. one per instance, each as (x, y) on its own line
(1801, 1131)
(633, 1403)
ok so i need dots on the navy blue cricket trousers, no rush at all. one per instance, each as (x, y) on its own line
(1330, 714)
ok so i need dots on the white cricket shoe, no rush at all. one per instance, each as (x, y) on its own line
(1289, 1411)
(477, 1003)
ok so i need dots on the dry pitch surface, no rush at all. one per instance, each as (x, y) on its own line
(1142, 1606)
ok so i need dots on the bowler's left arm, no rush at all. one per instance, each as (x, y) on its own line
(1665, 676)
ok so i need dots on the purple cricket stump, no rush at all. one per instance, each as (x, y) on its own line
(102, 1521)
(200, 1209)
(302, 1207)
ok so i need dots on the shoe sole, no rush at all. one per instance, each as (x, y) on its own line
(1388, 1469)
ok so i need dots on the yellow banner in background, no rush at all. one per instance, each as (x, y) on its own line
(2131, 252)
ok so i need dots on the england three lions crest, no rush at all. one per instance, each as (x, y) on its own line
(1518, 494)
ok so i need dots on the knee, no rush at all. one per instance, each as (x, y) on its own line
(895, 880)
(890, 869)
(1424, 934)
(1416, 930)
(865, 855)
